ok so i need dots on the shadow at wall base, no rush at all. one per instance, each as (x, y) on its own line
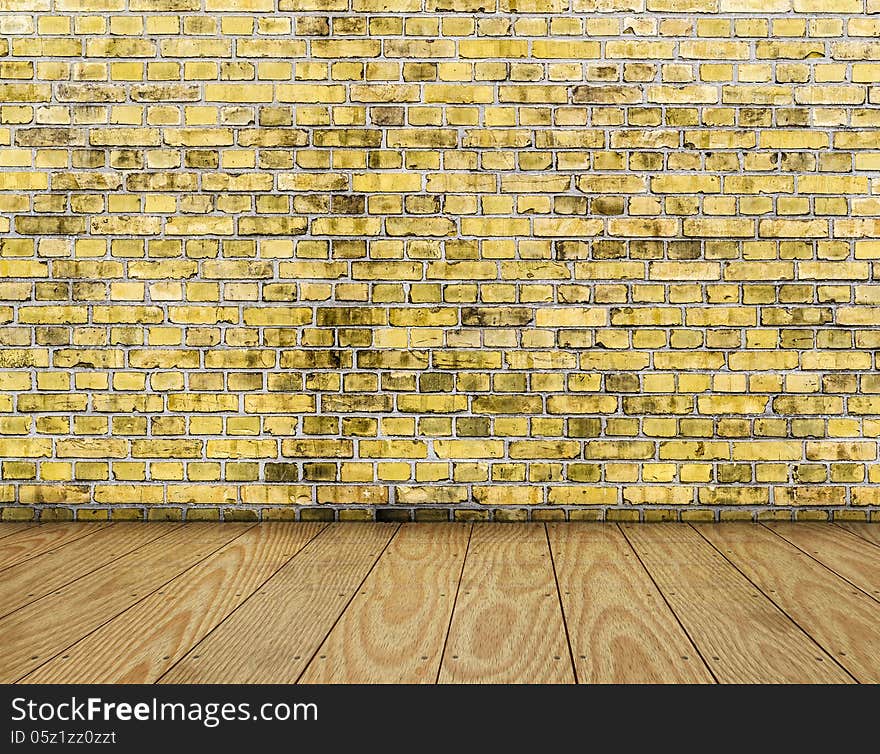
(400, 513)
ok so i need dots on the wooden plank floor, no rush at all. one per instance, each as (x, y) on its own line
(447, 603)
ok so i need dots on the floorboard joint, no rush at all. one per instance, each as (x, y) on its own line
(454, 604)
(36, 668)
(7, 530)
(507, 589)
(271, 639)
(687, 633)
(822, 563)
(31, 570)
(561, 606)
(744, 636)
(858, 530)
(140, 643)
(238, 607)
(351, 597)
(81, 530)
(806, 633)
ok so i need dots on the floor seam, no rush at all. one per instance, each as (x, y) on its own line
(133, 604)
(824, 565)
(467, 548)
(242, 603)
(57, 547)
(667, 603)
(777, 605)
(354, 594)
(561, 606)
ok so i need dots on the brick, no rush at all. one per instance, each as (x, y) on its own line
(796, 496)
(619, 449)
(469, 448)
(544, 449)
(578, 495)
(508, 495)
(733, 495)
(241, 448)
(658, 495)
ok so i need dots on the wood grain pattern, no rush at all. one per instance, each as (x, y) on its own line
(620, 628)
(28, 581)
(395, 628)
(837, 549)
(868, 532)
(140, 644)
(844, 620)
(35, 540)
(382, 603)
(8, 529)
(507, 626)
(742, 635)
(42, 629)
(272, 637)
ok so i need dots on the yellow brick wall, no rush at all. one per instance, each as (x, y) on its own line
(464, 259)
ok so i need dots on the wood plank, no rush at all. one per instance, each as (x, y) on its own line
(42, 629)
(140, 644)
(741, 634)
(35, 578)
(620, 628)
(507, 626)
(273, 635)
(15, 528)
(842, 619)
(844, 553)
(868, 532)
(35, 540)
(395, 627)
